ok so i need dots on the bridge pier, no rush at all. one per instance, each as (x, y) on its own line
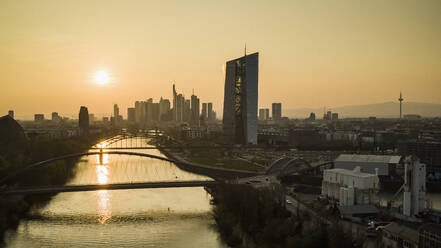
(101, 156)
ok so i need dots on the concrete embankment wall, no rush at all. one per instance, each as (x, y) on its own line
(213, 172)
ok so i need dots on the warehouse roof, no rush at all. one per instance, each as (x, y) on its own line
(357, 158)
(356, 172)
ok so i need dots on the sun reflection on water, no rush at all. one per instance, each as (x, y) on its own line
(102, 174)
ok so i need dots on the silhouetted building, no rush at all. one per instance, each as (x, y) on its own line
(264, 114)
(11, 113)
(186, 110)
(334, 116)
(12, 135)
(164, 109)
(115, 112)
(204, 112)
(240, 99)
(131, 115)
(429, 153)
(277, 111)
(55, 116)
(211, 114)
(312, 116)
(261, 114)
(195, 110)
(83, 122)
(39, 117)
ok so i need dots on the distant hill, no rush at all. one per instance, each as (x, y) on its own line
(381, 110)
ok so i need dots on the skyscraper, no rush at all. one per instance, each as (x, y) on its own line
(83, 122)
(115, 111)
(261, 114)
(164, 108)
(195, 109)
(131, 115)
(11, 113)
(210, 111)
(277, 111)
(240, 99)
(204, 111)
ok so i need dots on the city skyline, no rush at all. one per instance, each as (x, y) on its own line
(320, 54)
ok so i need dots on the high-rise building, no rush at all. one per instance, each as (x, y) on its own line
(210, 111)
(83, 121)
(334, 116)
(195, 109)
(55, 116)
(131, 115)
(39, 117)
(164, 108)
(277, 111)
(266, 116)
(312, 116)
(11, 113)
(204, 112)
(261, 114)
(240, 99)
(115, 112)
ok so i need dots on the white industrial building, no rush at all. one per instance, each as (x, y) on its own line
(385, 164)
(350, 187)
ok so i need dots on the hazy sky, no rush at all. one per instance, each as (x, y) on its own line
(312, 53)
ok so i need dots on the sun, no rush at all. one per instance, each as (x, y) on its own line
(101, 77)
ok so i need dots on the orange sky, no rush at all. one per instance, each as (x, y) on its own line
(312, 53)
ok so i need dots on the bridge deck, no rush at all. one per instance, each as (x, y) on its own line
(93, 187)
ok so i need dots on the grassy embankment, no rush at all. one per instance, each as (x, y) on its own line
(13, 208)
(210, 154)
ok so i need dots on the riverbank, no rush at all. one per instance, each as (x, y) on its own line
(14, 208)
(249, 217)
(209, 154)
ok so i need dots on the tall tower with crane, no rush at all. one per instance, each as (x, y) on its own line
(401, 99)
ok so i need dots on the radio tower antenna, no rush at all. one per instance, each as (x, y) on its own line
(401, 99)
(245, 50)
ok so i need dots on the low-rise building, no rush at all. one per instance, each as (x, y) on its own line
(350, 187)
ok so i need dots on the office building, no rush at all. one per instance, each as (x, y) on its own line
(83, 121)
(91, 118)
(164, 108)
(240, 99)
(264, 114)
(11, 113)
(277, 111)
(211, 116)
(131, 115)
(195, 109)
(334, 116)
(312, 116)
(204, 112)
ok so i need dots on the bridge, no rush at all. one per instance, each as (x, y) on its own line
(94, 187)
(286, 166)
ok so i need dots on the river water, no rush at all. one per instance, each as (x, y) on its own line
(173, 217)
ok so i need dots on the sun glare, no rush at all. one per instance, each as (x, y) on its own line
(101, 77)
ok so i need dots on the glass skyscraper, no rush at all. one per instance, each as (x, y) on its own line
(240, 99)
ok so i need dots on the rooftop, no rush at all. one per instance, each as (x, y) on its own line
(356, 172)
(389, 159)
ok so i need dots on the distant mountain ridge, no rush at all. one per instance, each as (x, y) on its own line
(381, 110)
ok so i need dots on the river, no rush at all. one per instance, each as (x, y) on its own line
(172, 217)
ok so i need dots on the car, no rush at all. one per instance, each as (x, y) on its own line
(288, 202)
